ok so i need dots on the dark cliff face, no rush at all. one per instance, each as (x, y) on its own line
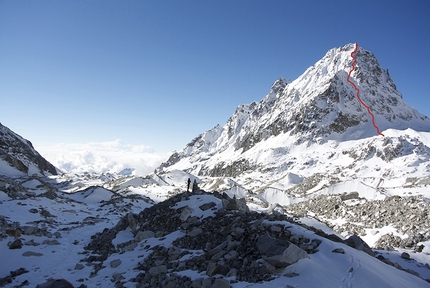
(20, 154)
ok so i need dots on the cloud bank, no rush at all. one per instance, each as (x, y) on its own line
(102, 157)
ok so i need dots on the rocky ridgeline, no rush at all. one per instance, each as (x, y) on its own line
(408, 215)
(232, 245)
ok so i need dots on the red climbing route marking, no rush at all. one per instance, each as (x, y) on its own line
(358, 90)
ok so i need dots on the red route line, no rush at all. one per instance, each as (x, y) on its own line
(358, 90)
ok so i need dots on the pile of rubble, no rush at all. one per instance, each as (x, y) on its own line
(232, 245)
(408, 215)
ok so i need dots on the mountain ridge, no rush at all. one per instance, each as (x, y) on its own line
(19, 156)
(319, 106)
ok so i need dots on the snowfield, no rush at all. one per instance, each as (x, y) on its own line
(67, 223)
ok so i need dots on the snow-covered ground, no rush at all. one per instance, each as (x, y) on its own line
(73, 217)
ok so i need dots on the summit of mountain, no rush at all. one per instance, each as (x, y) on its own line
(317, 108)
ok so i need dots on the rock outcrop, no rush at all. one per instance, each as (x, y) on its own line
(20, 154)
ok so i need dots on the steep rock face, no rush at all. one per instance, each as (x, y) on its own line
(20, 154)
(318, 106)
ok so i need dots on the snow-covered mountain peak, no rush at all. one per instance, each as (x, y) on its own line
(319, 106)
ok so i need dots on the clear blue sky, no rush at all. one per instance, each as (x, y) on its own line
(159, 72)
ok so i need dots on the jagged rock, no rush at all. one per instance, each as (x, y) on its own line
(122, 224)
(215, 268)
(19, 153)
(235, 204)
(279, 253)
(186, 213)
(356, 242)
(17, 244)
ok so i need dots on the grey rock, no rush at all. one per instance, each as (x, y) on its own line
(186, 212)
(405, 256)
(197, 283)
(17, 244)
(132, 223)
(130, 247)
(29, 230)
(115, 263)
(349, 196)
(231, 255)
(30, 253)
(218, 248)
(232, 272)
(338, 250)
(141, 235)
(269, 246)
(207, 283)
(356, 242)
(235, 204)
(79, 266)
(196, 231)
(207, 206)
(221, 283)
(214, 268)
(122, 224)
(173, 253)
(157, 270)
(50, 242)
(279, 253)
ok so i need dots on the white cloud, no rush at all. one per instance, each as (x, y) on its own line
(101, 157)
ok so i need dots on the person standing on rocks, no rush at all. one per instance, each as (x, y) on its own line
(195, 187)
(188, 184)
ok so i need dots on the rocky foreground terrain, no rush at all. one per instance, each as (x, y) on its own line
(95, 237)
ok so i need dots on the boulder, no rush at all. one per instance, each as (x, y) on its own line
(349, 196)
(17, 244)
(356, 242)
(221, 283)
(186, 212)
(141, 235)
(235, 204)
(196, 231)
(405, 256)
(157, 270)
(207, 206)
(132, 223)
(115, 263)
(279, 253)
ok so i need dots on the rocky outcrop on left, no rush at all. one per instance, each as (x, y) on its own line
(20, 154)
